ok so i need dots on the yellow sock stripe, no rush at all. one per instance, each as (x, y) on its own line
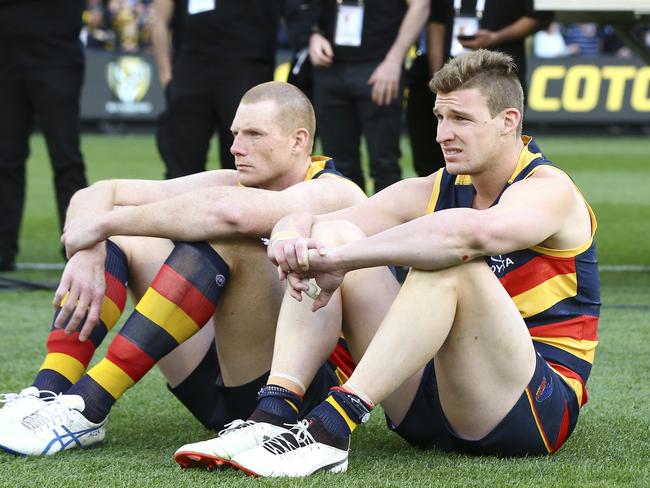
(167, 315)
(291, 404)
(109, 313)
(111, 377)
(533, 410)
(351, 424)
(66, 365)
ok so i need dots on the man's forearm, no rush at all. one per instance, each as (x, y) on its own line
(425, 243)
(93, 200)
(188, 217)
(519, 29)
(414, 20)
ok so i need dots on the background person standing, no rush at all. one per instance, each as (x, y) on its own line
(41, 74)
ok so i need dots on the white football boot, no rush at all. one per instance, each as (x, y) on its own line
(237, 437)
(57, 426)
(19, 405)
(292, 454)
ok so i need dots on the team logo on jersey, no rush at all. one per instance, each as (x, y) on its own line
(499, 264)
(544, 389)
(129, 78)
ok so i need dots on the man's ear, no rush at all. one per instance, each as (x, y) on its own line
(301, 139)
(511, 119)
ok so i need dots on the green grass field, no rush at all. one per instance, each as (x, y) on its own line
(610, 446)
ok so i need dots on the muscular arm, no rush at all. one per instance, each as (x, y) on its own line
(524, 217)
(162, 13)
(221, 211)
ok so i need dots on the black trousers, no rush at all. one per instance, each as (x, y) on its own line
(422, 124)
(51, 96)
(202, 99)
(345, 111)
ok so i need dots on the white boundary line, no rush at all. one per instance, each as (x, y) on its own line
(610, 268)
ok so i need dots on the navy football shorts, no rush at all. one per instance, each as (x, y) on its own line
(214, 405)
(539, 423)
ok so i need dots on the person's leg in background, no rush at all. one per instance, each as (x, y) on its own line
(16, 119)
(186, 127)
(231, 81)
(382, 128)
(338, 121)
(422, 124)
(55, 93)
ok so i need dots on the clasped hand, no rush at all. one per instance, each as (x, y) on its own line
(301, 259)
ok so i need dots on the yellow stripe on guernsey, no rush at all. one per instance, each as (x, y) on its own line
(546, 294)
(542, 434)
(66, 365)
(109, 313)
(111, 377)
(583, 349)
(317, 164)
(167, 315)
(435, 193)
(342, 413)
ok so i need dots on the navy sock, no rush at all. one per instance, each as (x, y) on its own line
(341, 412)
(277, 405)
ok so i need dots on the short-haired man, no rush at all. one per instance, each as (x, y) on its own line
(178, 281)
(498, 315)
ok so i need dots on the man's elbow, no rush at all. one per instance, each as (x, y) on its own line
(227, 219)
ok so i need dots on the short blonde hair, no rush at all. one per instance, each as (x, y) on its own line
(295, 111)
(493, 73)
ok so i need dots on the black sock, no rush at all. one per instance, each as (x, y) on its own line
(277, 405)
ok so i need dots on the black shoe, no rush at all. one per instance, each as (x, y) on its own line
(7, 263)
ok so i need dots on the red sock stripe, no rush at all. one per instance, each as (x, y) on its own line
(115, 290)
(180, 291)
(57, 341)
(129, 358)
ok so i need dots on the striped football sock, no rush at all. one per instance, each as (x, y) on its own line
(181, 299)
(341, 412)
(67, 358)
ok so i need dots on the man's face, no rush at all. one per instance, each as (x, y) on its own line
(467, 133)
(261, 146)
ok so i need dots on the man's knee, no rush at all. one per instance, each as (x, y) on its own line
(337, 232)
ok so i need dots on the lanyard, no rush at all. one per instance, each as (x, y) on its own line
(480, 7)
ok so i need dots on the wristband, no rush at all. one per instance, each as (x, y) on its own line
(283, 235)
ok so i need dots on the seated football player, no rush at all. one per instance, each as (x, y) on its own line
(498, 315)
(192, 251)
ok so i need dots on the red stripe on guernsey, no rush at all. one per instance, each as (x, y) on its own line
(129, 358)
(57, 341)
(535, 272)
(564, 429)
(181, 292)
(583, 327)
(115, 290)
(569, 373)
(342, 359)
